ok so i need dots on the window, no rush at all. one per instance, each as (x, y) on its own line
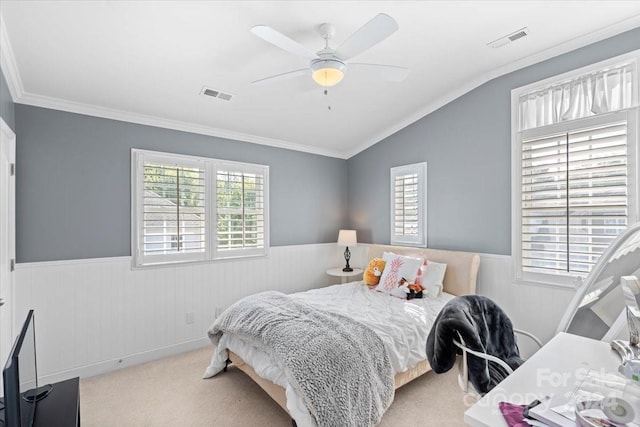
(187, 208)
(240, 209)
(575, 169)
(409, 205)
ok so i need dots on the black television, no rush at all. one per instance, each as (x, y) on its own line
(20, 377)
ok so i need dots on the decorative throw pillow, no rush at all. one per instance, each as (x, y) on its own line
(431, 277)
(397, 267)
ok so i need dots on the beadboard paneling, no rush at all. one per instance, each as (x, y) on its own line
(534, 308)
(97, 315)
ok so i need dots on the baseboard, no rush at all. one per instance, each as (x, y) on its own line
(125, 361)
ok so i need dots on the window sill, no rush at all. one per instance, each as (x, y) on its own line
(147, 266)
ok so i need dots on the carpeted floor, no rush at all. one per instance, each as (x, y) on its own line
(171, 392)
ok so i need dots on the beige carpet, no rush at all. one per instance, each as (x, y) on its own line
(171, 392)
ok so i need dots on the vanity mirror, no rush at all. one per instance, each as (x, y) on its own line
(598, 309)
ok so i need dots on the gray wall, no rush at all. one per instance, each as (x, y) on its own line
(73, 184)
(7, 111)
(467, 147)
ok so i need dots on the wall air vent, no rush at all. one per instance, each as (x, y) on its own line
(509, 38)
(215, 94)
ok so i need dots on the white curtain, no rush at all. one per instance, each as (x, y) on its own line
(600, 92)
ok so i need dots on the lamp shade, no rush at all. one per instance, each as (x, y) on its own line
(347, 238)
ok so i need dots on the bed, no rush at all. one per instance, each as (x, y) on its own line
(407, 346)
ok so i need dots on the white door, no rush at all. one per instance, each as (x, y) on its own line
(7, 238)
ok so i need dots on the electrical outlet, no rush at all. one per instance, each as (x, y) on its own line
(190, 317)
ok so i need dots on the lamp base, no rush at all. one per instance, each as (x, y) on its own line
(347, 257)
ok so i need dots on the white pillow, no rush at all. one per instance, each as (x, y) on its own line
(396, 267)
(431, 277)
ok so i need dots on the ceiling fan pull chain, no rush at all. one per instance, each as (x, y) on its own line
(326, 92)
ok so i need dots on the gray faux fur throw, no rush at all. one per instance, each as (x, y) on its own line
(337, 365)
(484, 327)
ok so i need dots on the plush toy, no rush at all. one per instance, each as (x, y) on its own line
(411, 290)
(371, 276)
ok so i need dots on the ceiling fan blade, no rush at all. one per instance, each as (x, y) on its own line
(278, 39)
(370, 34)
(389, 73)
(283, 76)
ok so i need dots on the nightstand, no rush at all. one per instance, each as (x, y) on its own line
(345, 276)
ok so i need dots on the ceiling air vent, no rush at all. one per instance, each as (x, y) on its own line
(509, 38)
(215, 94)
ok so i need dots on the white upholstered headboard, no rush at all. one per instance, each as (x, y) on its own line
(462, 267)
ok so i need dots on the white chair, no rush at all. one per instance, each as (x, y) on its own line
(463, 365)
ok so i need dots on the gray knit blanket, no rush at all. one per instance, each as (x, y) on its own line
(337, 365)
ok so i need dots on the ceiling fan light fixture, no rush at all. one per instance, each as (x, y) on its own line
(327, 72)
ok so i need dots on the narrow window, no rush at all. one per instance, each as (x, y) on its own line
(408, 205)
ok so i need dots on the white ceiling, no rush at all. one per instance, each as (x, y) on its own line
(148, 61)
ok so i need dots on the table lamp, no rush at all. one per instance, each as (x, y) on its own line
(347, 238)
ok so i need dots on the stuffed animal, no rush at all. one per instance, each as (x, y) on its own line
(371, 276)
(411, 290)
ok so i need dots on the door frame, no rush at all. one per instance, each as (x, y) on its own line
(7, 231)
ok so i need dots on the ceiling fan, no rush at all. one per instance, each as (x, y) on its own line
(328, 66)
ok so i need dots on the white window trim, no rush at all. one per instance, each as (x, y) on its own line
(421, 239)
(137, 198)
(211, 252)
(250, 168)
(632, 116)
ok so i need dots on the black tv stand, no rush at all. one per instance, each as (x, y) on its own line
(61, 407)
(58, 405)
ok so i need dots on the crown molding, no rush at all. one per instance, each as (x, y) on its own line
(8, 64)
(147, 120)
(541, 56)
(20, 96)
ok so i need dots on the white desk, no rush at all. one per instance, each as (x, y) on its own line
(552, 370)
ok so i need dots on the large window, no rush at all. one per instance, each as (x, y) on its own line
(409, 205)
(187, 208)
(575, 169)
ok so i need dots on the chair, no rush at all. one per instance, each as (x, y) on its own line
(478, 329)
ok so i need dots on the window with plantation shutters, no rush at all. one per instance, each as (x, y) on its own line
(575, 197)
(408, 205)
(240, 209)
(575, 162)
(187, 209)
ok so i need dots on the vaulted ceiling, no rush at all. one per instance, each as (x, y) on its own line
(148, 61)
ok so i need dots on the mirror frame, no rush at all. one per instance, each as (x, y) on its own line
(591, 277)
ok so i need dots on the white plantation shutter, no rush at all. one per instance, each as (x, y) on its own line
(575, 197)
(171, 209)
(240, 209)
(408, 205)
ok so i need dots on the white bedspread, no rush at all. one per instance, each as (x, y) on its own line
(402, 325)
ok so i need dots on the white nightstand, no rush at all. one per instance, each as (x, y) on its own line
(345, 275)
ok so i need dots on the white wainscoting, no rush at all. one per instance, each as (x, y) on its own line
(534, 308)
(98, 315)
